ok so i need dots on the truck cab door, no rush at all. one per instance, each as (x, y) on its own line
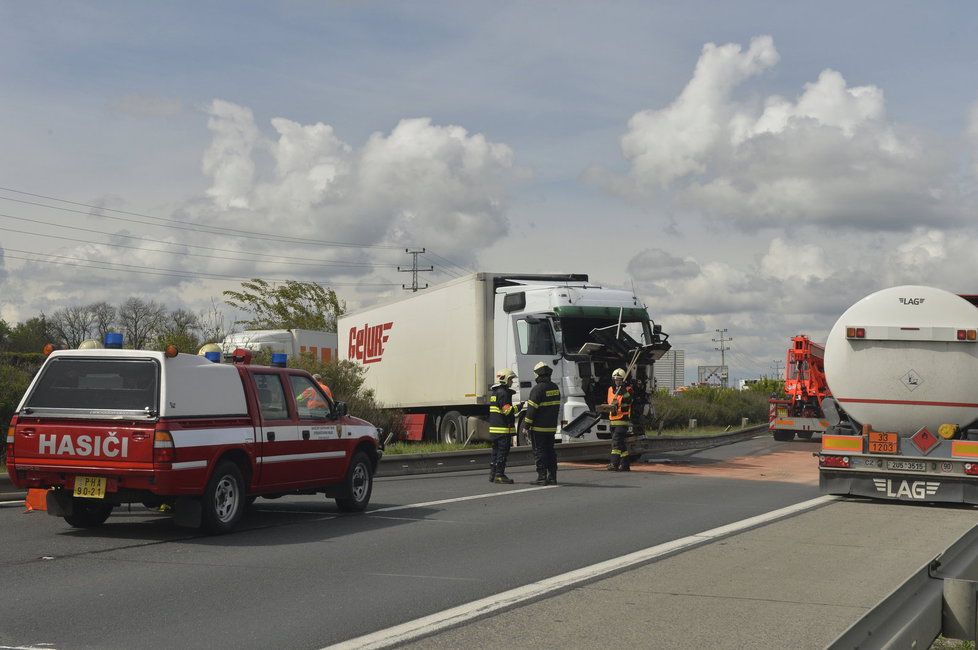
(536, 342)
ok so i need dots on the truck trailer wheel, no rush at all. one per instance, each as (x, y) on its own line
(358, 485)
(88, 513)
(452, 428)
(784, 436)
(223, 502)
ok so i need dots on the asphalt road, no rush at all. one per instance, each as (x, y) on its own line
(299, 574)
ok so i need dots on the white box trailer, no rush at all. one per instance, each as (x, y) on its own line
(435, 352)
(293, 342)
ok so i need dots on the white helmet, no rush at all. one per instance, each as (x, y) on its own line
(619, 373)
(89, 344)
(543, 368)
(209, 347)
(505, 375)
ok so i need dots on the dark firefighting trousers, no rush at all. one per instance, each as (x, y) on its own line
(619, 448)
(500, 453)
(545, 456)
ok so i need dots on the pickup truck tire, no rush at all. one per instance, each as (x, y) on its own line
(88, 513)
(784, 436)
(452, 428)
(358, 485)
(223, 502)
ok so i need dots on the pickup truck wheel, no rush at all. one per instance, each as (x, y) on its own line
(359, 484)
(223, 502)
(88, 513)
(784, 436)
(452, 428)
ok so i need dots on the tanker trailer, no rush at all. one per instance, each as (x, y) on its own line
(902, 367)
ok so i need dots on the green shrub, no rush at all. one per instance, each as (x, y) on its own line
(710, 406)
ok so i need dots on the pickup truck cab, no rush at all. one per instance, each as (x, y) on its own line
(100, 428)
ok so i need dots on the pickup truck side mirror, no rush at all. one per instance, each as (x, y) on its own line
(342, 409)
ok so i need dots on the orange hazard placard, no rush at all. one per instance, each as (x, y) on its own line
(882, 443)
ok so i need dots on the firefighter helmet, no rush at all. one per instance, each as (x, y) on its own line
(505, 375)
(209, 347)
(543, 368)
(619, 373)
(89, 344)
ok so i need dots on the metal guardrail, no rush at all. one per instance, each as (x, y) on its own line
(454, 461)
(935, 600)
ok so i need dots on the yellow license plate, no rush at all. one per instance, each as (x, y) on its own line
(90, 487)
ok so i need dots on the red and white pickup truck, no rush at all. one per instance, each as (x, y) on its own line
(99, 428)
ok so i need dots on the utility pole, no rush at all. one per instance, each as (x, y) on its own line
(723, 348)
(776, 367)
(414, 270)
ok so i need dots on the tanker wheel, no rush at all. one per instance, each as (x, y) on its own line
(452, 428)
(784, 436)
(806, 435)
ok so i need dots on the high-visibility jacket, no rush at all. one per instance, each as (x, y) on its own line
(326, 389)
(543, 407)
(502, 413)
(623, 399)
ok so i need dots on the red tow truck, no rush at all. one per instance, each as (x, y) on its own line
(101, 428)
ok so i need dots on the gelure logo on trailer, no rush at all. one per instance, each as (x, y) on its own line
(367, 342)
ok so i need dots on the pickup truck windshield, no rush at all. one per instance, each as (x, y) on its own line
(91, 385)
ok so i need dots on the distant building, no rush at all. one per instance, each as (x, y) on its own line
(670, 370)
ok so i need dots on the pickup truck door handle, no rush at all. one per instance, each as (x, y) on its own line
(305, 434)
(271, 436)
(139, 435)
(27, 432)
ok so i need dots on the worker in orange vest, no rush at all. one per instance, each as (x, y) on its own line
(620, 400)
(319, 380)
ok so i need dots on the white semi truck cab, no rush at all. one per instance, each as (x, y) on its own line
(435, 352)
(902, 365)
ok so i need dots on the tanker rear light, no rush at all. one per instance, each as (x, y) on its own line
(834, 461)
(967, 335)
(971, 468)
(855, 332)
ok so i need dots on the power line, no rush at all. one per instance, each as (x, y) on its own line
(173, 273)
(722, 348)
(461, 267)
(157, 241)
(182, 225)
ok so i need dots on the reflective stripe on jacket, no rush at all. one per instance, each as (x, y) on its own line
(624, 402)
(543, 407)
(502, 413)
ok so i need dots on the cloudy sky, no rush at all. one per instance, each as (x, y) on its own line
(754, 166)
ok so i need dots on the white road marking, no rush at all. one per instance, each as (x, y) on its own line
(451, 617)
(488, 495)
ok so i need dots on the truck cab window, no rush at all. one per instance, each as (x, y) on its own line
(271, 397)
(309, 399)
(536, 337)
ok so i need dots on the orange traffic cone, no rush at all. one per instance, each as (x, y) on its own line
(37, 499)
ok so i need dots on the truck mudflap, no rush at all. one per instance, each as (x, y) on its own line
(915, 488)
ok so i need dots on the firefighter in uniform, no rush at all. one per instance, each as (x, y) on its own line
(542, 414)
(620, 400)
(502, 425)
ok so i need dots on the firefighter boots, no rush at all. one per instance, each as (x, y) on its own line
(541, 479)
(502, 478)
(626, 464)
(552, 478)
(613, 464)
(492, 473)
